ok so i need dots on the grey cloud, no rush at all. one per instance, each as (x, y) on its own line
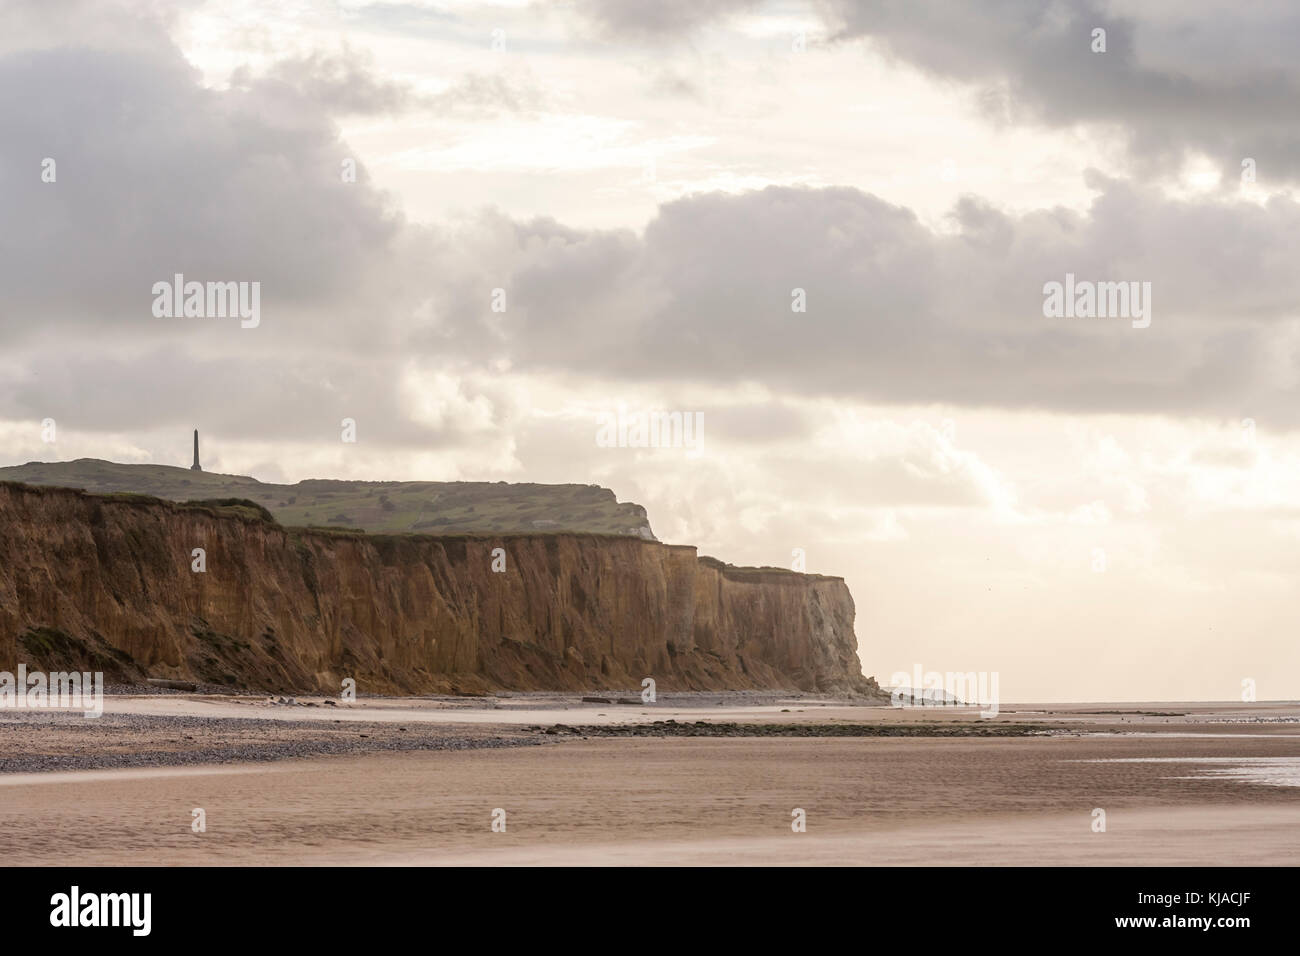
(488, 93)
(673, 85)
(336, 82)
(344, 83)
(658, 19)
(1195, 76)
(915, 473)
(158, 175)
(755, 424)
(255, 397)
(155, 176)
(139, 25)
(898, 313)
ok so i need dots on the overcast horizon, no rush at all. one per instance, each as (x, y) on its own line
(826, 228)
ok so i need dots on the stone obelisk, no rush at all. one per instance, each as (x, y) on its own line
(195, 466)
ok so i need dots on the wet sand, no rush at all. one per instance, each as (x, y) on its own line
(886, 801)
(521, 709)
(736, 706)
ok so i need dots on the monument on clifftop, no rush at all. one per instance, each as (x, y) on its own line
(195, 466)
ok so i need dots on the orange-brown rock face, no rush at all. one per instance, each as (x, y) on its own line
(108, 583)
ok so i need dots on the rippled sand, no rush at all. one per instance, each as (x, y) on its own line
(694, 801)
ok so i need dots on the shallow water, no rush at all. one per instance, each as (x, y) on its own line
(959, 801)
(1272, 771)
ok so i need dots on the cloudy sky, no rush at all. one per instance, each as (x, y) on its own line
(1092, 510)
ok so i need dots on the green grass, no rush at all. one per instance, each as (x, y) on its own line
(426, 507)
(52, 649)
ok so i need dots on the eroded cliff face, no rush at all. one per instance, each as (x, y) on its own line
(93, 582)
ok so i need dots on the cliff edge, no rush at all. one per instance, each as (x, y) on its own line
(108, 583)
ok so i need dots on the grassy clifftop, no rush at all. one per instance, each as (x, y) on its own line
(430, 507)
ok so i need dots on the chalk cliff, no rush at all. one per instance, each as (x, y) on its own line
(107, 582)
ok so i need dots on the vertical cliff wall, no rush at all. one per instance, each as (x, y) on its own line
(107, 582)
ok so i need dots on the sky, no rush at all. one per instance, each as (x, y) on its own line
(827, 228)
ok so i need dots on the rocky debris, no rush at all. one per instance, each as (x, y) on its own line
(184, 685)
(705, 728)
(40, 741)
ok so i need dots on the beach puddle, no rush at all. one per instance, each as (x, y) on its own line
(1269, 771)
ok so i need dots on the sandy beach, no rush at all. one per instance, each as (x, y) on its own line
(392, 782)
